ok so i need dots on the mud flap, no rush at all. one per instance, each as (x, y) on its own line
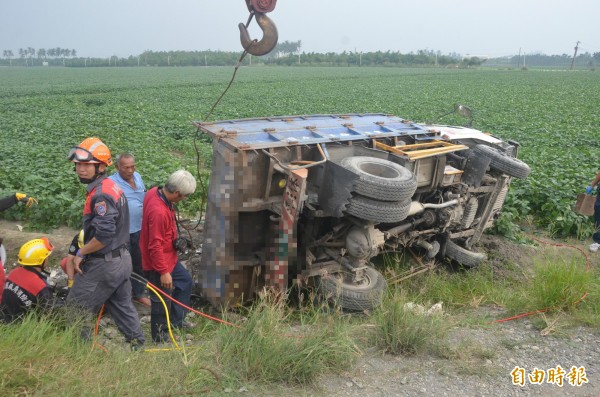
(284, 246)
(335, 189)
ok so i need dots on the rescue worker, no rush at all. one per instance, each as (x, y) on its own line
(6, 203)
(9, 201)
(26, 287)
(103, 265)
(67, 263)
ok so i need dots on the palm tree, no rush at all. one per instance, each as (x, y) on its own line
(30, 52)
(8, 54)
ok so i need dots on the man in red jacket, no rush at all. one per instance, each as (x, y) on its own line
(159, 245)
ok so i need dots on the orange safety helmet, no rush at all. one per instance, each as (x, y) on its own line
(91, 150)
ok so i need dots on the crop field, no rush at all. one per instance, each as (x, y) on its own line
(149, 111)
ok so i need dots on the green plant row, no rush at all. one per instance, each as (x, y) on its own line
(149, 111)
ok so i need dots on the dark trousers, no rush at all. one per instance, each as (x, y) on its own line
(105, 281)
(596, 235)
(137, 288)
(182, 291)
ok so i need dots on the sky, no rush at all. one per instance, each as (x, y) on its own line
(490, 28)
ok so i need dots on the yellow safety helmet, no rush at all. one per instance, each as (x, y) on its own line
(80, 239)
(35, 252)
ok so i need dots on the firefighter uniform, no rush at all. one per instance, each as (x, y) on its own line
(106, 272)
(25, 289)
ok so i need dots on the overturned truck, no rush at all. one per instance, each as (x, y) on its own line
(310, 200)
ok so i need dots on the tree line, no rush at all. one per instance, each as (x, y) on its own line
(281, 55)
(537, 60)
(27, 55)
(288, 53)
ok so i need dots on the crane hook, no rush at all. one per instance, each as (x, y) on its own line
(268, 41)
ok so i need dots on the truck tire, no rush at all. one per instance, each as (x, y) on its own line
(381, 179)
(464, 256)
(511, 166)
(378, 211)
(341, 289)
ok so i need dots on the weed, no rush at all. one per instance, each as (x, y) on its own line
(470, 288)
(400, 330)
(266, 349)
(558, 285)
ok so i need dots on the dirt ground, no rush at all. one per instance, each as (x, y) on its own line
(499, 348)
(16, 233)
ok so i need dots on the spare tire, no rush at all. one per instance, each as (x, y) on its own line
(378, 211)
(500, 161)
(381, 179)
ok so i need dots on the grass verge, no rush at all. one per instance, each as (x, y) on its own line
(278, 347)
(402, 330)
(267, 349)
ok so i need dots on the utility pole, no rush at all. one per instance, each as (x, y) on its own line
(519, 60)
(575, 54)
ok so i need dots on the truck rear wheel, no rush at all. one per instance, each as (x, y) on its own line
(381, 179)
(464, 256)
(342, 289)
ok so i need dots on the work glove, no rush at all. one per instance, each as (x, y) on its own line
(589, 190)
(25, 199)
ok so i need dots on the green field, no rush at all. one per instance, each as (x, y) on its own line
(149, 111)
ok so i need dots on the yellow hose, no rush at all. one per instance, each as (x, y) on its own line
(166, 314)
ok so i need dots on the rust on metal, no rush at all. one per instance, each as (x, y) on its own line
(263, 6)
(267, 43)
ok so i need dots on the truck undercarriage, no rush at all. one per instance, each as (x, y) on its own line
(311, 200)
